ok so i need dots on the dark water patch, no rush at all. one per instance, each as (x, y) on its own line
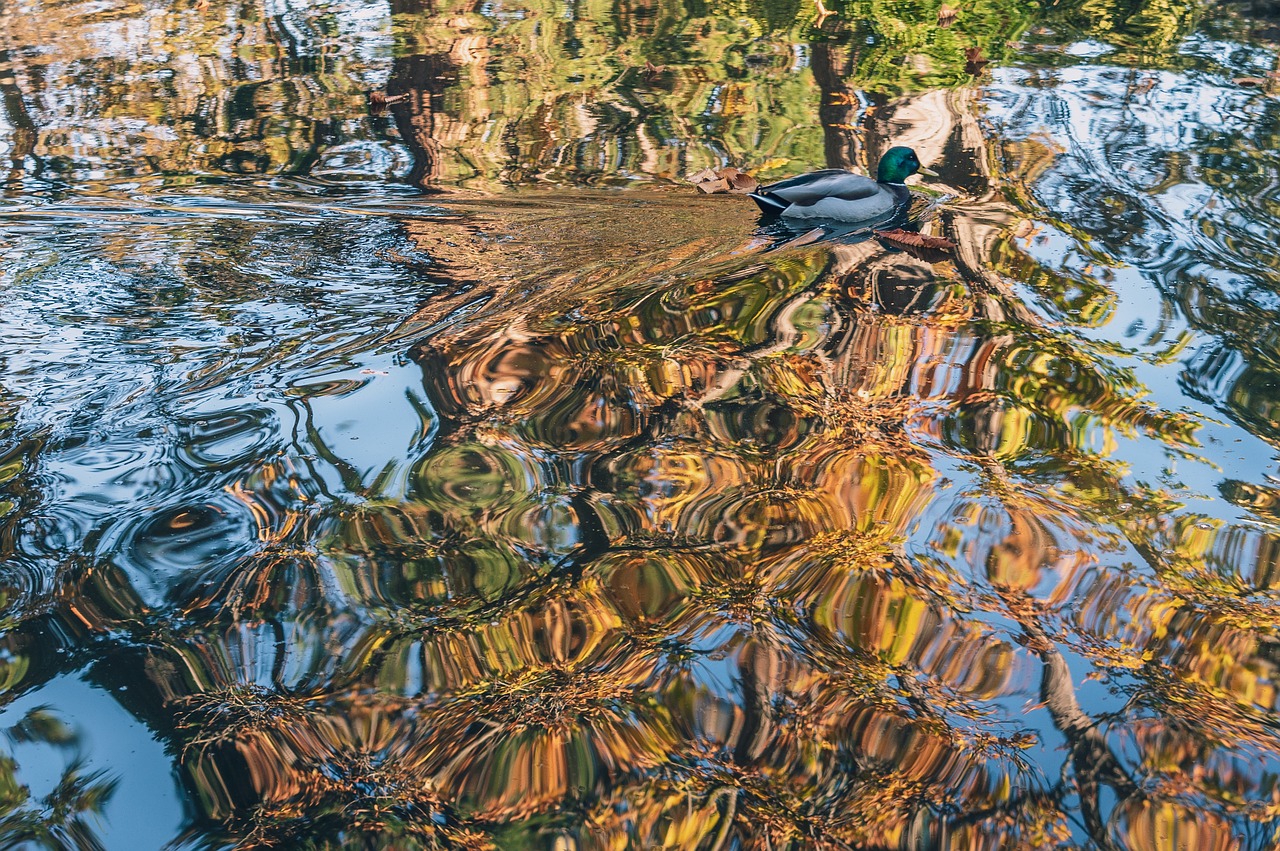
(168, 546)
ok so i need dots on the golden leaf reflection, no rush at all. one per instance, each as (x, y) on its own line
(765, 562)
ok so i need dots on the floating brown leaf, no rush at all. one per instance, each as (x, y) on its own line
(739, 181)
(727, 179)
(652, 71)
(379, 101)
(909, 239)
(974, 61)
(1146, 85)
(1251, 82)
(946, 16)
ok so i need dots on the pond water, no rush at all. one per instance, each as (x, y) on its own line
(456, 474)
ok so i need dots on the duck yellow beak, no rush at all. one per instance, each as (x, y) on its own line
(928, 171)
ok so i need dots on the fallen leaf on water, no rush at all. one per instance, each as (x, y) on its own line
(910, 239)
(739, 181)
(974, 61)
(1146, 85)
(727, 179)
(946, 16)
(651, 71)
(379, 101)
(1251, 82)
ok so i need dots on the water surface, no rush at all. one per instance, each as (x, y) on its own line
(457, 475)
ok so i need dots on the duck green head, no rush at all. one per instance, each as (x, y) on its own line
(898, 164)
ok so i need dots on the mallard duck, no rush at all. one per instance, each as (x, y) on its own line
(843, 196)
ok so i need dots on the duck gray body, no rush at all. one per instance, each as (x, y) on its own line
(843, 196)
(832, 193)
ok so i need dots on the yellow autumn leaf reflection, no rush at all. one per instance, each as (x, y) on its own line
(736, 538)
(1155, 825)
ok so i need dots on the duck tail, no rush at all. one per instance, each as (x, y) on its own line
(768, 204)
